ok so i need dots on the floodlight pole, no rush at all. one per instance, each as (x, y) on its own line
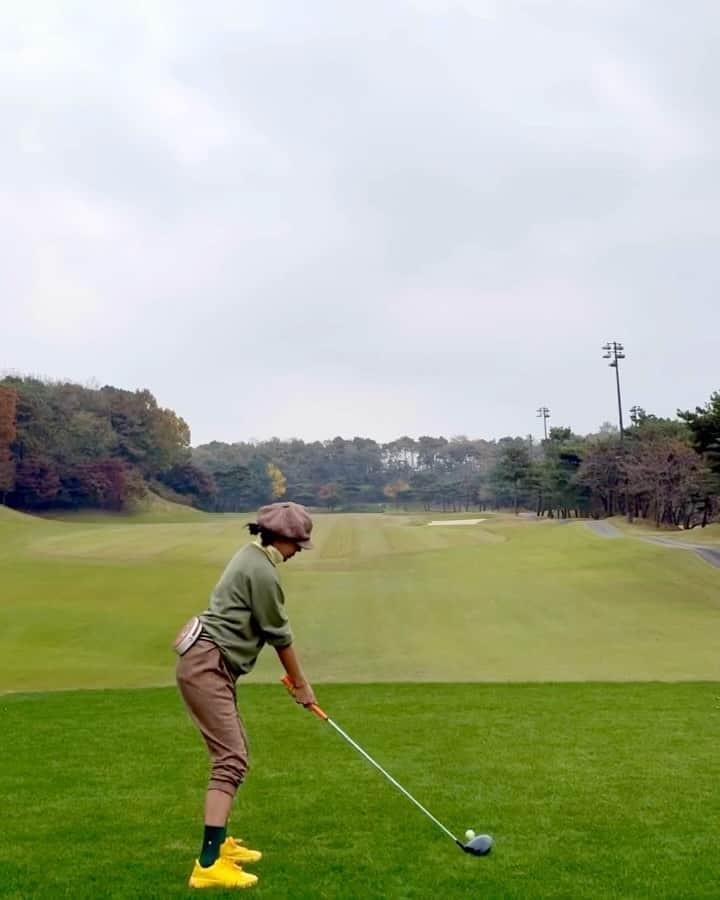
(544, 414)
(615, 352)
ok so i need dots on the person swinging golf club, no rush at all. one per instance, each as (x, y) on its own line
(246, 611)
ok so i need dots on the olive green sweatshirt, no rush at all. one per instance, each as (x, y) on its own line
(247, 609)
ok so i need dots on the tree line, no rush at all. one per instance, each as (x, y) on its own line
(67, 446)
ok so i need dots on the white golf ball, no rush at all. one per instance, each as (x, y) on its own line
(469, 834)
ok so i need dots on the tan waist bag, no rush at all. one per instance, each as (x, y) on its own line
(189, 633)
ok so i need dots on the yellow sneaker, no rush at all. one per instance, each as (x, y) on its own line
(222, 873)
(235, 850)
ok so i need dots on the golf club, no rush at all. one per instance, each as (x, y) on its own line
(478, 846)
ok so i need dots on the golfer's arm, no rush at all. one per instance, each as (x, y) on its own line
(291, 664)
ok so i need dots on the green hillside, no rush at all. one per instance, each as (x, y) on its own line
(382, 598)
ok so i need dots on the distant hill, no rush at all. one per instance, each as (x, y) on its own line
(12, 515)
(151, 509)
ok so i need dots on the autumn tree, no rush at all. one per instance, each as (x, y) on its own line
(330, 494)
(37, 483)
(89, 445)
(105, 484)
(8, 433)
(397, 490)
(600, 473)
(278, 482)
(668, 480)
(188, 480)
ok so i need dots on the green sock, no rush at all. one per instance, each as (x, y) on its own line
(213, 836)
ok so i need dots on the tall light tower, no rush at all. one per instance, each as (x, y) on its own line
(615, 352)
(544, 414)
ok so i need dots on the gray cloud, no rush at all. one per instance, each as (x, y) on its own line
(379, 219)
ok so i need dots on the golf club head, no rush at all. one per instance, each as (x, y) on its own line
(478, 846)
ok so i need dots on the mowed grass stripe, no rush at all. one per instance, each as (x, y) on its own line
(383, 598)
(338, 537)
(590, 791)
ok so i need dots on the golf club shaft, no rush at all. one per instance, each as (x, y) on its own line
(390, 778)
(314, 708)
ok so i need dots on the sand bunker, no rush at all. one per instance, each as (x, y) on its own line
(458, 522)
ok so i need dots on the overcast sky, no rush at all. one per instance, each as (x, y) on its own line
(374, 218)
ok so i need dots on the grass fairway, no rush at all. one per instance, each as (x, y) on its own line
(383, 598)
(591, 791)
(434, 647)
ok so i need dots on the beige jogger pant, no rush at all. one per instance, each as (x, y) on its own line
(208, 689)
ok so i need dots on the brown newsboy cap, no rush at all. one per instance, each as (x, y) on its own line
(289, 520)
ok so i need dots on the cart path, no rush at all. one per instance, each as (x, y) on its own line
(604, 529)
(608, 530)
(709, 554)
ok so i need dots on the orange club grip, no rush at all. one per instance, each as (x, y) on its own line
(314, 708)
